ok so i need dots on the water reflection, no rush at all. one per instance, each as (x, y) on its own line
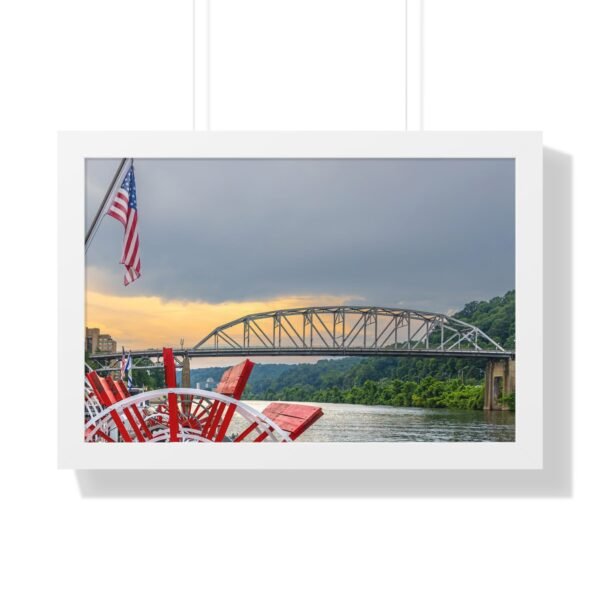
(357, 423)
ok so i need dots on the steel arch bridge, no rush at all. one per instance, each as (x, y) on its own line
(340, 331)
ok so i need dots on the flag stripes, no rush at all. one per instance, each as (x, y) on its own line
(124, 209)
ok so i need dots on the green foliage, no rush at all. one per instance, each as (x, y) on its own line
(151, 379)
(427, 382)
(508, 400)
(428, 393)
(495, 317)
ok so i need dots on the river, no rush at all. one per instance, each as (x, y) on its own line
(360, 423)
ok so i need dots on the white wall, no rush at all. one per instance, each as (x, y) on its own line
(498, 64)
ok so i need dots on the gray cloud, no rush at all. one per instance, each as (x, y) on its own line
(424, 233)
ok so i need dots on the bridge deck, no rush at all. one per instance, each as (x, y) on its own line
(234, 352)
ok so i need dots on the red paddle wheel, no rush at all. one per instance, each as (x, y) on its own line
(186, 414)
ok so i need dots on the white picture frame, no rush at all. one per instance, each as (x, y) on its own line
(526, 452)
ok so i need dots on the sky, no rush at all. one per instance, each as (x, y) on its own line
(221, 238)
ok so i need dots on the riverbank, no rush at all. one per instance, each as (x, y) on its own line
(426, 393)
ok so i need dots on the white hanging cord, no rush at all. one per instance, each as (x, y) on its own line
(208, 71)
(421, 63)
(406, 65)
(207, 32)
(413, 64)
(208, 74)
(193, 65)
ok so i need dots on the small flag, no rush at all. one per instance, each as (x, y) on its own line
(125, 367)
(124, 210)
(123, 364)
(128, 371)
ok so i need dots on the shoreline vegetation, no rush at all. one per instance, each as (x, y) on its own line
(428, 393)
(427, 383)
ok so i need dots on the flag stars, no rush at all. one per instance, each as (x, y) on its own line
(124, 210)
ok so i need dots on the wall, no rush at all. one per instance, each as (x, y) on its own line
(126, 64)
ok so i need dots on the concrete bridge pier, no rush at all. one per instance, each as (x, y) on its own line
(186, 382)
(499, 380)
(186, 374)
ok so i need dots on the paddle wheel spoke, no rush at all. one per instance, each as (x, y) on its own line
(174, 414)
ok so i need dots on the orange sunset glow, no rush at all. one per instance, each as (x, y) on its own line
(141, 322)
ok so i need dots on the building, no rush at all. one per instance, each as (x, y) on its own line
(206, 384)
(98, 342)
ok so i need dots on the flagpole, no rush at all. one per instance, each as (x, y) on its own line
(118, 177)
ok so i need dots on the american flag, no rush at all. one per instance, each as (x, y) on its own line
(124, 210)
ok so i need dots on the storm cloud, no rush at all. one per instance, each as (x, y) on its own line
(421, 233)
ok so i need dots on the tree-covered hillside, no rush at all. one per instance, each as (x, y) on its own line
(260, 374)
(495, 317)
(395, 380)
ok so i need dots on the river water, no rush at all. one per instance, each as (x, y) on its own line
(358, 423)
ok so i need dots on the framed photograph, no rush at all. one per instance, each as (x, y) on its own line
(300, 301)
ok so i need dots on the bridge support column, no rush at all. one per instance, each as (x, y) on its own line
(186, 382)
(499, 380)
(186, 373)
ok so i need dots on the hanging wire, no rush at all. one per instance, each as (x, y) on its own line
(207, 32)
(421, 64)
(415, 10)
(194, 65)
(406, 65)
(208, 65)
(208, 73)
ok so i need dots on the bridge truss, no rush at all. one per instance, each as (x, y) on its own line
(340, 331)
